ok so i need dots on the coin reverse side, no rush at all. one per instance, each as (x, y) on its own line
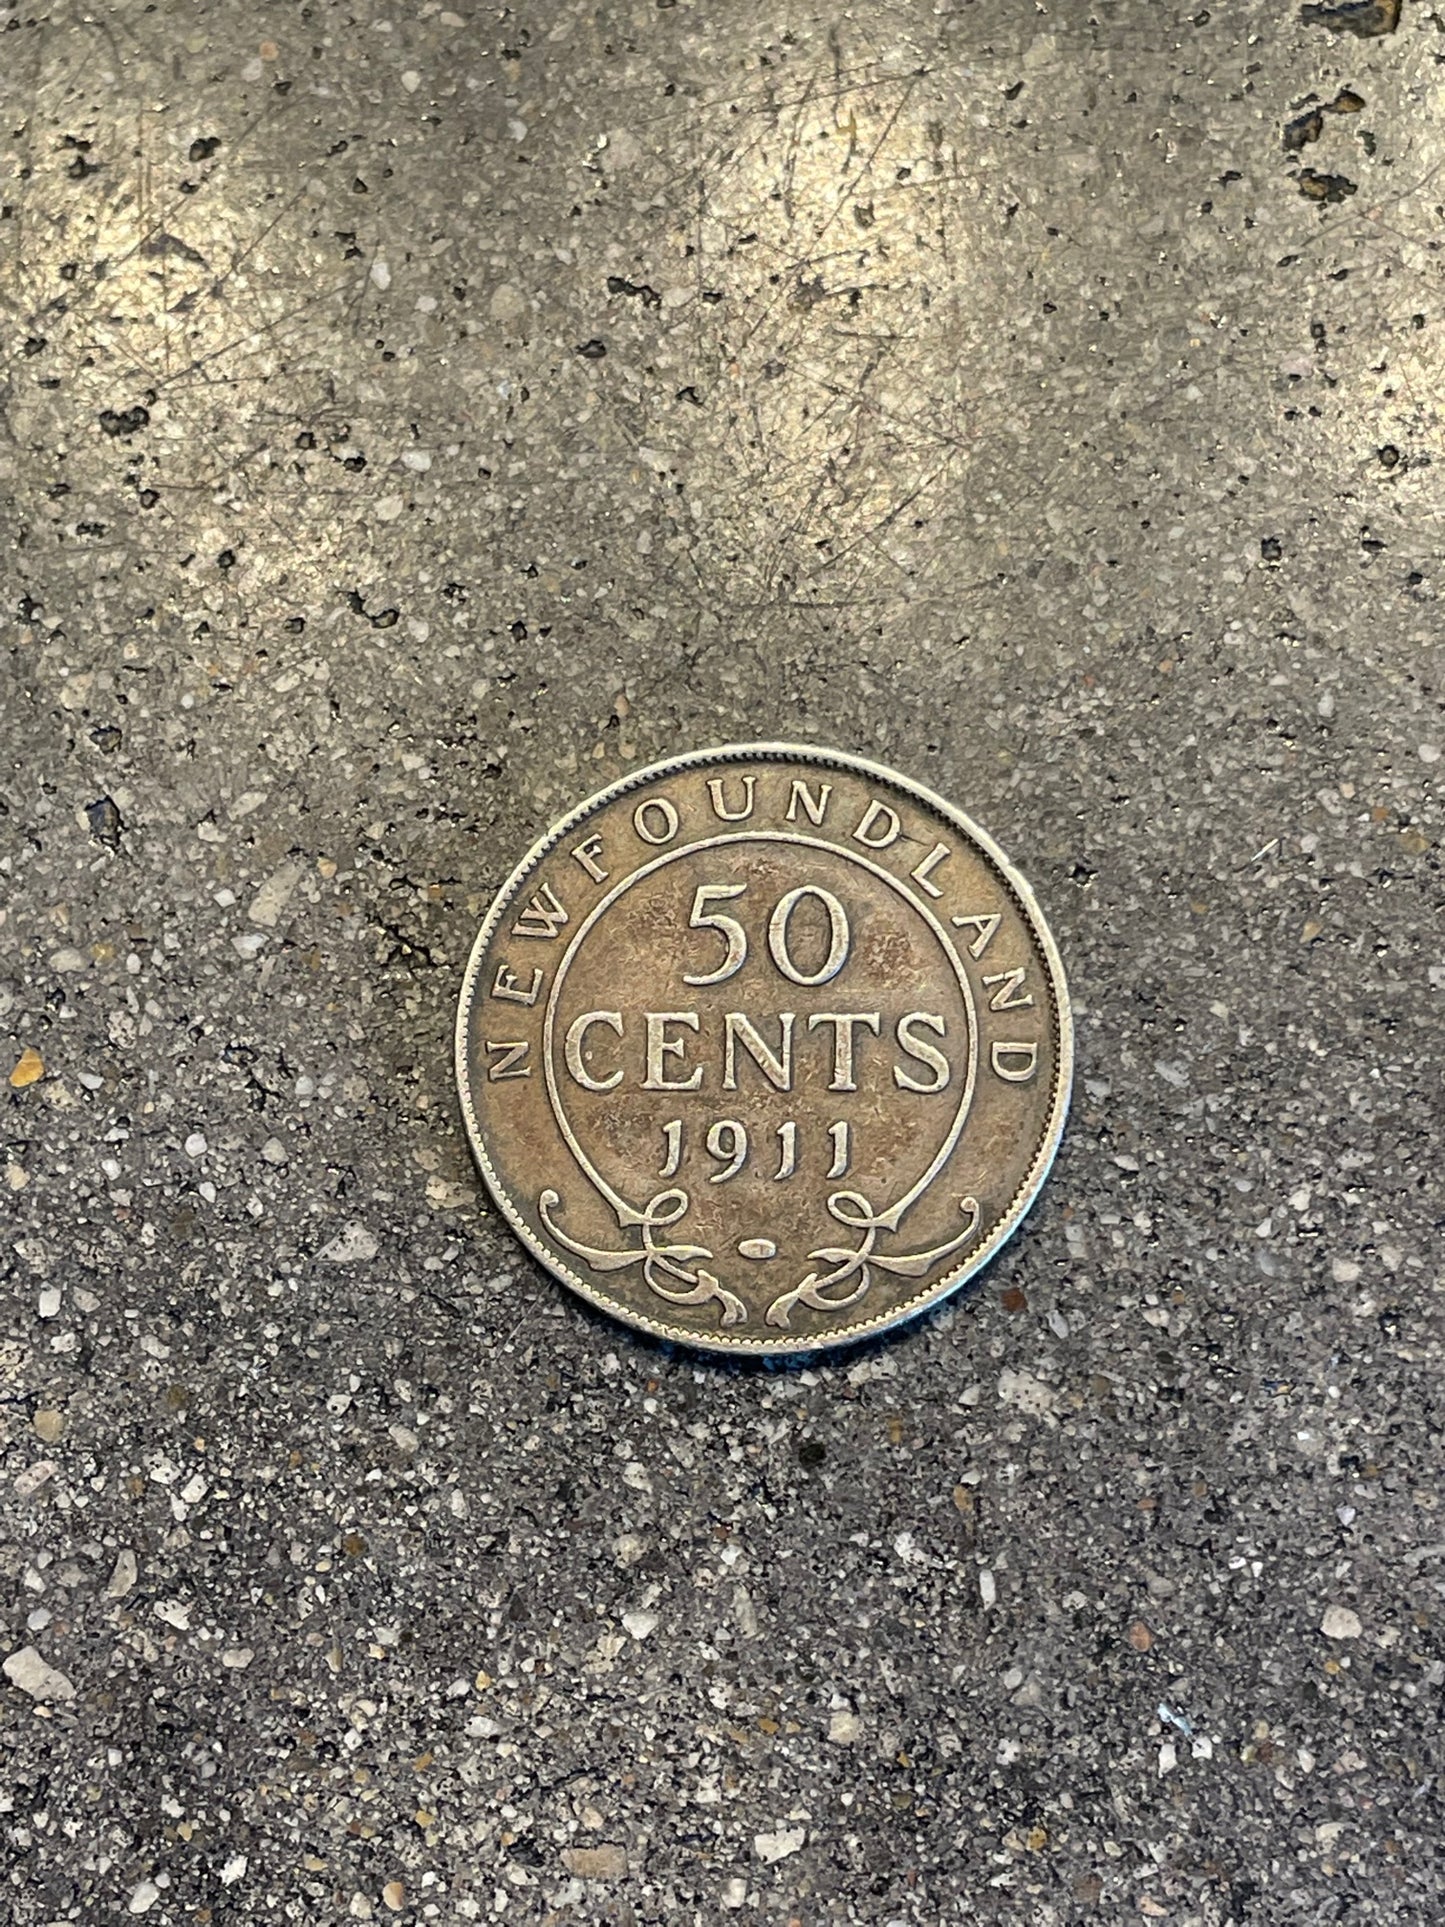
(764, 1049)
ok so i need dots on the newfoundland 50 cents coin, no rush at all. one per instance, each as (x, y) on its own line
(764, 1049)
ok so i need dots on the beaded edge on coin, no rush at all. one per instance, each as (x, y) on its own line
(723, 1343)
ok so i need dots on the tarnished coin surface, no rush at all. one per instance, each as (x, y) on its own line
(764, 1049)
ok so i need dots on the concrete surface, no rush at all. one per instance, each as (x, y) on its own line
(412, 418)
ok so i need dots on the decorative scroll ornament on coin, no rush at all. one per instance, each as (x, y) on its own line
(764, 1049)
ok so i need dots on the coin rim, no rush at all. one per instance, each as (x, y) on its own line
(722, 1343)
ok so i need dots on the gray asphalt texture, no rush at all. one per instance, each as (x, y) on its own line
(411, 420)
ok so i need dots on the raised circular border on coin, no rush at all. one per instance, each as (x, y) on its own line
(590, 1214)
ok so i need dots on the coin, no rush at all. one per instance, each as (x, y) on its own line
(764, 1049)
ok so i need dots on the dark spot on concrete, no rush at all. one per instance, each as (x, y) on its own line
(1331, 188)
(105, 821)
(811, 1452)
(202, 149)
(1389, 456)
(649, 297)
(226, 559)
(1271, 549)
(384, 619)
(1366, 19)
(106, 738)
(592, 350)
(126, 421)
(1309, 126)
(1303, 129)
(163, 243)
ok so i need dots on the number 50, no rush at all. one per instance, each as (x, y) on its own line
(736, 938)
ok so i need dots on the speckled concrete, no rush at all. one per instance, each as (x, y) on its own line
(411, 419)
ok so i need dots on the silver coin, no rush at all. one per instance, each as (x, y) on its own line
(764, 1049)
